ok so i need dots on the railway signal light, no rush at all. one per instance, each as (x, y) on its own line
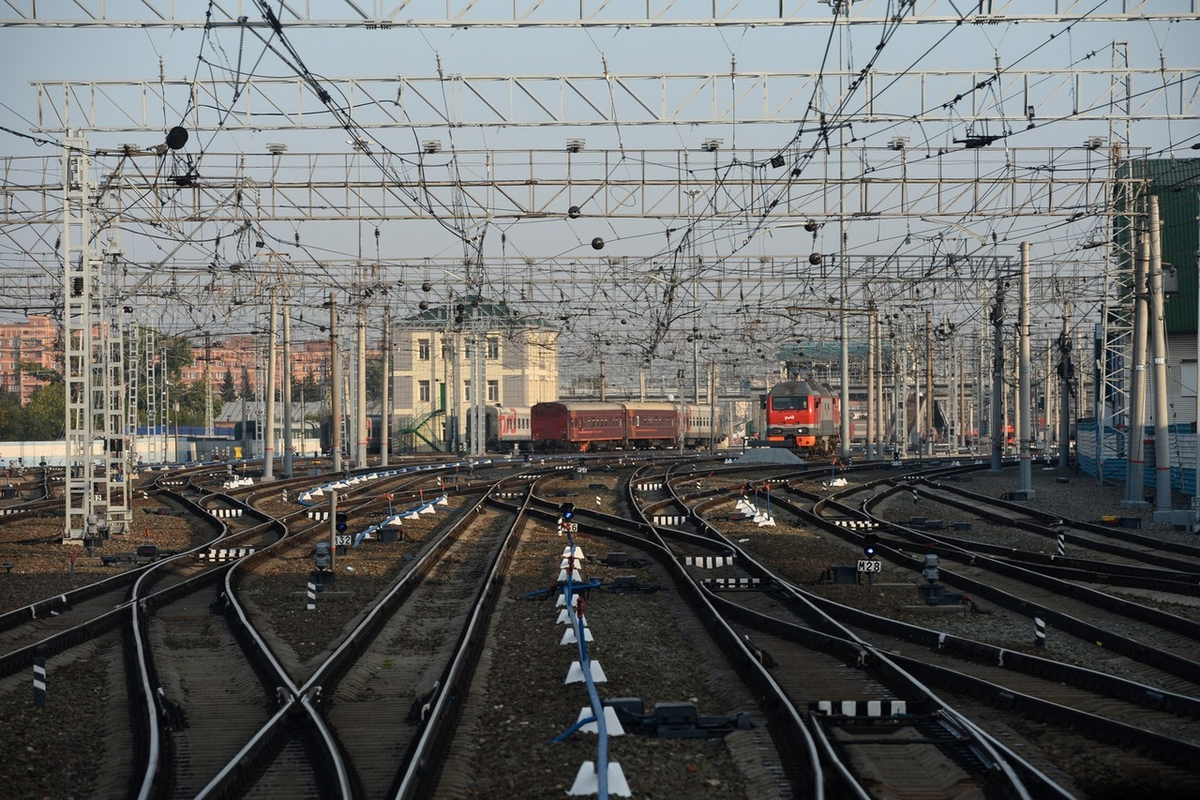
(340, 521)
(567, 510)
(869, 543)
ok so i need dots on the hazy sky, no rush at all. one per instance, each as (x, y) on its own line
(181, 54)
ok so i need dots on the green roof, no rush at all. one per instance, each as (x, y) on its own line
(466, 308)
(1176, 183)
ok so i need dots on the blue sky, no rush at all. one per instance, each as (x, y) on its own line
(129, 54)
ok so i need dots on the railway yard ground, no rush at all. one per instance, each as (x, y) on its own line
(647, 642)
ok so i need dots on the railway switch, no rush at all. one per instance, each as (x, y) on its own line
(674, 720)
(930, 572)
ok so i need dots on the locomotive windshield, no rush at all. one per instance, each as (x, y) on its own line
(786, 403)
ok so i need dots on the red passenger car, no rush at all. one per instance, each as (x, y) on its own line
(577, 426)
(652, 424)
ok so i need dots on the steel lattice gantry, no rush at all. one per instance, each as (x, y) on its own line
(384, 15)
(887, 96)
(910, 183)
(97, 485)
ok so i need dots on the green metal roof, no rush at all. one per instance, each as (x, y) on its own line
(1176, 183)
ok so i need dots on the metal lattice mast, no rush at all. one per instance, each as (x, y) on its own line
(79, 264)
(133, 343)
(1125, 200)
(97, 491)
(110, 421)
(150, 352)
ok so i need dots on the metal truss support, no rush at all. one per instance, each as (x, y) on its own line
(399, 15)
(1049, 182)
(155, 453)
(1095, 94)
(97, 486)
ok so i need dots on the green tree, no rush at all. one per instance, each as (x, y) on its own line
(247, 393)
(10, 418)
(190, 400)
(44, 415)
(375, 379)
(228, 388)
(38, 371)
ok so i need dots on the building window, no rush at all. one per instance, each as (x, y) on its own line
(423, 350)
(423, 395)
(493, 348)
(467, 391)
(493, 391)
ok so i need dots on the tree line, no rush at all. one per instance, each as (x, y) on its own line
(43, 418)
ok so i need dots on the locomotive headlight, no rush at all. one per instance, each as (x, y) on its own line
(775, 431)
(801, 431)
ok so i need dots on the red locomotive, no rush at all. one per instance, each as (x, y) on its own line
(583, 426)
(802, 416)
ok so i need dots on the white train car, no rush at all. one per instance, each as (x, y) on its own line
(507, 427)
(702, 426)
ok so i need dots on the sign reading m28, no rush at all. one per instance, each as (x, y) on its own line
(865, 565)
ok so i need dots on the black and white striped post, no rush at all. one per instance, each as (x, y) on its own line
(1039, 632)
(312, 595)
(1062, 544)
(39, 681)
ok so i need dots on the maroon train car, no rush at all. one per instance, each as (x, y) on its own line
(651, 424)
(577, 426)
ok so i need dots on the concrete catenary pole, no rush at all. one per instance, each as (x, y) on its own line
(880, 411)
(289, 447)
(385, 408)
(360, 406)
(335, 388)
(997, 426)
(1064, 390)
(869, 435)
(1162, 442)
(929, 432)
(1024, 385)
(269, 413)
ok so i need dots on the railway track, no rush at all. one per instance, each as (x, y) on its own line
(841, 701)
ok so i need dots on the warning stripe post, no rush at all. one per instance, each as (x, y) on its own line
(39, 681)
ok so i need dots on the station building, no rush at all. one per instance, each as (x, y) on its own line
(439, 353)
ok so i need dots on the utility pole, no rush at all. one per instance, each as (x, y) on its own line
(844, 325)
(360, 406)
(269, 397)
(1162, 441)
(869, 433)
(1065, 374)
(929, 432)
(901, 368)
(385, 408)
(997, 426)
(208, 395)
(713, 377)
(1025, 488)
(335, 388)
(289, 447)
